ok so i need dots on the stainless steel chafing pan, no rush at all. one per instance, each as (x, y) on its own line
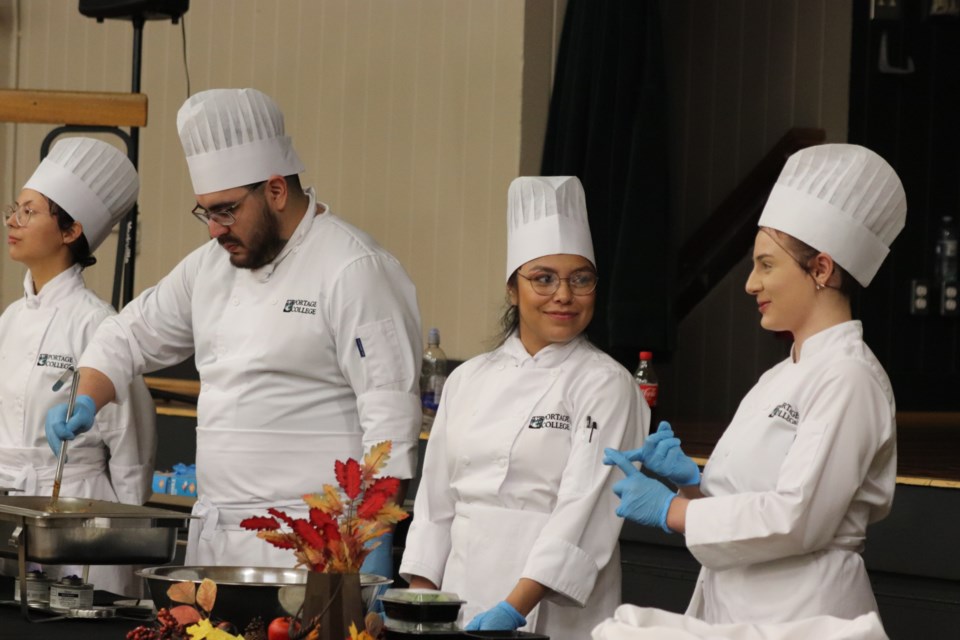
(84, 531)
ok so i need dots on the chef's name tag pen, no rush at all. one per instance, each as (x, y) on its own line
(591, 426)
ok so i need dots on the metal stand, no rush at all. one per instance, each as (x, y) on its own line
(127, 238)
(19, 538)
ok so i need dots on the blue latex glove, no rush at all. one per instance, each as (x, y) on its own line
(502, 617)
(380, 560)
(642, 499)
(661, 453)
(59, 429)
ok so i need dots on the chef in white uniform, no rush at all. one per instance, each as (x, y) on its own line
(779, 518)
(305, 332)
(65, 210)
(514, 512)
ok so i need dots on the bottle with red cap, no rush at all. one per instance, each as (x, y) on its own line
(646, 377)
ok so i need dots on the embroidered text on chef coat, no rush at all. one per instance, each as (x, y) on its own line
(550, 421)
(293, 305)
(785, 411)
(55, 360)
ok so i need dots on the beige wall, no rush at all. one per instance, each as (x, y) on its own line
(740, 74)
(412, 117)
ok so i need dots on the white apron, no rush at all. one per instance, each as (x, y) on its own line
(280, 467)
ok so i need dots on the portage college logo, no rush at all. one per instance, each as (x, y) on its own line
(550, 421)
(55, 361)
(786, 412)
(308, 307)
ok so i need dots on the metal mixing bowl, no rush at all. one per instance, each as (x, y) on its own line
(246, 592)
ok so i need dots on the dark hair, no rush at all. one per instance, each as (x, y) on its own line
(79, 248)
(803, 254)
(510, 318)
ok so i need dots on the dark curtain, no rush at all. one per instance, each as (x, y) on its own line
(607, 126)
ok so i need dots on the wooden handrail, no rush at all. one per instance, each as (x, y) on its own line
(725, 237)
(73, 107)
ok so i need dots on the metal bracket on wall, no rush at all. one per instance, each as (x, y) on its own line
(884, 65)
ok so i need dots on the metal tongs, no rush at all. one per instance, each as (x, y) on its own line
(62, 460)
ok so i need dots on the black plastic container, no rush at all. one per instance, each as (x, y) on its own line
(421, 612)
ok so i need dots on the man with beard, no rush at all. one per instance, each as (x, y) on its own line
(305, 332)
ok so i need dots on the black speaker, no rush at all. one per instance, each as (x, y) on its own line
(130, 9)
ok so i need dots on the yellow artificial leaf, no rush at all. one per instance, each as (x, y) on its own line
(328, 501)
(391, 514)
(377, 457)
(183, 592)
(353, 631)
(204, 630)
(207, 594)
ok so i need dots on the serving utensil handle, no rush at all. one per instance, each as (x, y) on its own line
(62, 460)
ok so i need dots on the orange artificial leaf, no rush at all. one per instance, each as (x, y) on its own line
(391, 513)
(186, 615)
(328, 501)
(377, 457)
(279, 539)
(207, 594)
(182, 592)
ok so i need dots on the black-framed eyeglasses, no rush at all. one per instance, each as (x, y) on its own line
(582, 283)
(20, 213)
(224, 215)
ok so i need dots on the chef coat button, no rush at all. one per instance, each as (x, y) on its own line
(499, 367)
(502, 461)
(235, 301)
(465, 461)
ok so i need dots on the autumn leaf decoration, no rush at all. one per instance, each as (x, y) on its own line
(341, 520)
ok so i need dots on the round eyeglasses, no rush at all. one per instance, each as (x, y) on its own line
(224, 215)
(582, 283)
(19, 213)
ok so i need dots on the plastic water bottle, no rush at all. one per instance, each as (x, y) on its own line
(646, 377)
(945, 250)
(433, 374)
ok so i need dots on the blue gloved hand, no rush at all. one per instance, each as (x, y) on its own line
(380, 560)
(661, 453)
(59, 429)
(502, 617)
(642, 499)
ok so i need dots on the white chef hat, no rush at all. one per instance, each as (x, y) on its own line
(234, 137)
(91, 180)
(545, 216)
(843, 200)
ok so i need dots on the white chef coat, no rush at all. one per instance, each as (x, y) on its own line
(40, 336)
(310, 359)
(514, 483)
(808, 462)
(642, 623)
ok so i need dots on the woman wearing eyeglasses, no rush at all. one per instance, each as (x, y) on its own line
(65, 210)
(514, 512)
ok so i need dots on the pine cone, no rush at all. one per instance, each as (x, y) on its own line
(256, 630)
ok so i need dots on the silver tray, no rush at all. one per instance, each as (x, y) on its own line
(85, 531)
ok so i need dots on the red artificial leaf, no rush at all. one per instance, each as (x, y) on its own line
(185, 615)
(373, 501)
(308, 535)
(388, 485)
(260, 523)
(348, 475)
(281, 516)
(325, 523)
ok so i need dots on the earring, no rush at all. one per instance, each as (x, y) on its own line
(819, 286)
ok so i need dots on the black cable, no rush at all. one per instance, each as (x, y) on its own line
(183, 34)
